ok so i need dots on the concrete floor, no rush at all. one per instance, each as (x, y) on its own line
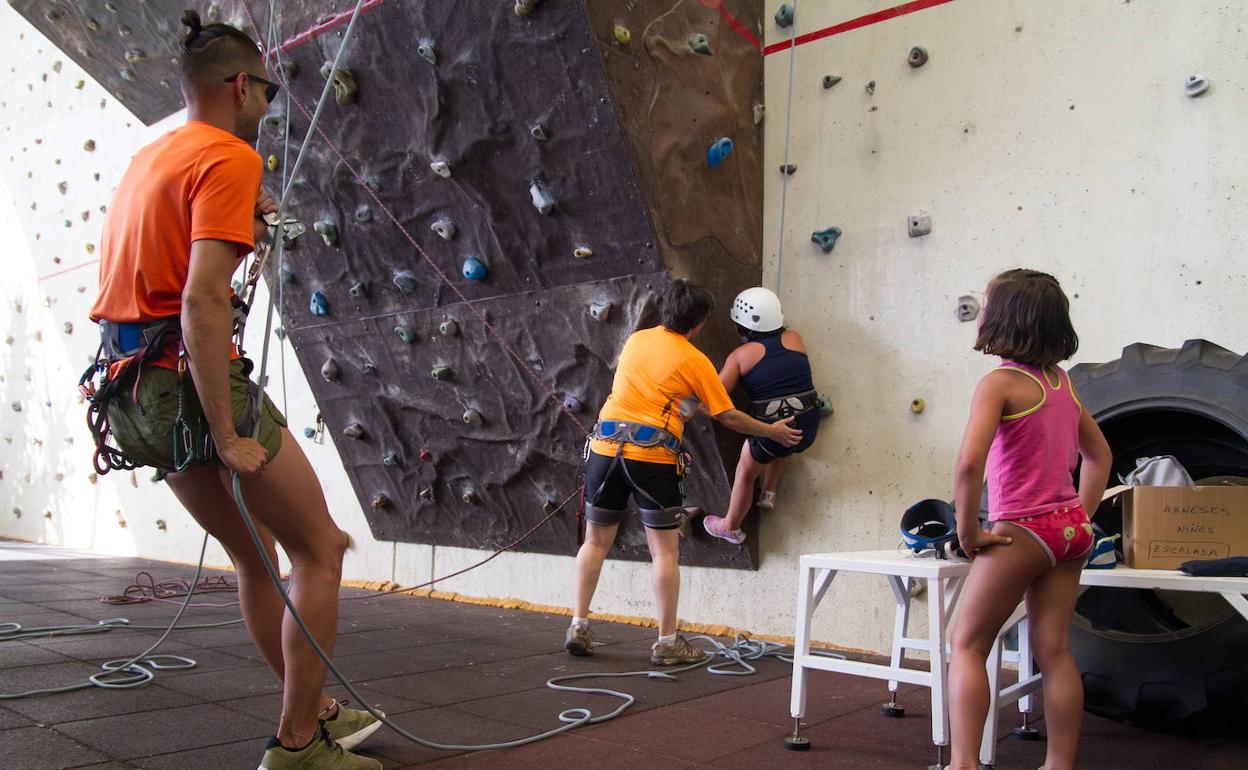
(452, 673)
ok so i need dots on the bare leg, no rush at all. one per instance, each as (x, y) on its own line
(201, 492)
(665, 575)
(1050, 607)
(999, 577)
(589, 559)
(771, 474)
(742, 488)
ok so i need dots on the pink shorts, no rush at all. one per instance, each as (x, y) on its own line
(1064, 534)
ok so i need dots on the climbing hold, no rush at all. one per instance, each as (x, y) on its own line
(51, 15)
(445, 228)
(391, 459)
(549, 506)
(826, 238)
(405, 333)
(600, 311)
(871, 88)
(475, 270)
(272, 163)
(919, 225)
(425, 492)
(345, 89)
(622, 35)
(441, 168)
(328, 232)
(354, 431)
(380, 501)
(699, 44)
(285, 274)
(470, 496)
(62, 187)
(161, 525)
(426, 52)
(318, 304)
(69, 327)
(405, 280)
(127, 74)
(917, 57)
(473, 417)
(330, 370)
(290, 69)
(789, 169)
(582, 252)
(543, 201)
(525, 7)
(441, 372)
(539, 132)
(89, 145)
(449, 328)
(1196, 85)
(426, 456)
(760, 111)
(918, 405)
(363, 213)
(831, 80)
(17, 406)
(571, 404)
(967, 309)
(135, 55)
(358, 289)
(825, 404)
(785, 14)
(369, 368)
(718, 151)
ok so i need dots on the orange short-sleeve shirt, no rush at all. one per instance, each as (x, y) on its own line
(660, 380)
(196, 182)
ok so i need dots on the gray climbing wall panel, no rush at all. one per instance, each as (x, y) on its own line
(504, 101)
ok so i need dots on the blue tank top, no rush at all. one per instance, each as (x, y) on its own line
(780, 372)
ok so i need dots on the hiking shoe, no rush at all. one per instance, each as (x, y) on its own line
(350, 727)
(579, 640)
(715, 527)
(766, 500)
(675, 653)
(321, 754)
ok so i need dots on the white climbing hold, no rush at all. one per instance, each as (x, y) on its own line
(445, 228)
(543, 201)
(582, 252)
(473, 417)
(600, 311)
(1196, 85)
(441, 168)
(919, 225)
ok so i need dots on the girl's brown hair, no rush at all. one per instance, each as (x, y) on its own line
(1027, 319)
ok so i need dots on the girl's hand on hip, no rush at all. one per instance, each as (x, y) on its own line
(973, 541)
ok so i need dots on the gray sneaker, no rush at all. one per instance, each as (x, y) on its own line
(321, 754)
(675, 653)
(579, 640)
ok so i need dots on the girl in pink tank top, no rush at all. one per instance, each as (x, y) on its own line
(1026, 434)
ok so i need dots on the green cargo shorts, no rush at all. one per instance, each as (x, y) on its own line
(143, 429)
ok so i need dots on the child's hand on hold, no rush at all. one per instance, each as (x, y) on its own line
(977, 538)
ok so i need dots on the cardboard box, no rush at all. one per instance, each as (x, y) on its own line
(1163, 527)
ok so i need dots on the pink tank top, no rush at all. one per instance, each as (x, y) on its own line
(1032, 461)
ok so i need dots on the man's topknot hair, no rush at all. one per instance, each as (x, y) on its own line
(215, 50)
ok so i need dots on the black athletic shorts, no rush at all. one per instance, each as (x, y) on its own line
(764, 450)
(657, 492)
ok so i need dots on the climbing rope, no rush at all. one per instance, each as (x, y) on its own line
(788, 122)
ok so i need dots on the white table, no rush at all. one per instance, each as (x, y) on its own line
(944, 584)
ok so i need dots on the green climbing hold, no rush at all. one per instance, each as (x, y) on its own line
(826, 238)
(699, 43)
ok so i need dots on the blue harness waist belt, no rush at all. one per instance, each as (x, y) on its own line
(639, 434)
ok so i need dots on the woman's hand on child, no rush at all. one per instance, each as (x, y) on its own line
(784, 433)
(973, 541)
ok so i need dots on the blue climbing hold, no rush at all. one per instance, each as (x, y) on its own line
(475, 269)
(318, 304)
(826, 238)
(718, 152)
(309, 432)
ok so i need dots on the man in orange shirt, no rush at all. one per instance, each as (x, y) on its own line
(661, 380)
(185, 213)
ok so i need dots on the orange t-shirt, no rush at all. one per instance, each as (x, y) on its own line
(659, 381)
(196, 182)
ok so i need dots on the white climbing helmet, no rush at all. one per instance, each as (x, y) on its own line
(757, 309)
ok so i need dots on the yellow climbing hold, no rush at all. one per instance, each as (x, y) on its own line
(90, 248)
(918, 405)
(272, 163)
(622, 35)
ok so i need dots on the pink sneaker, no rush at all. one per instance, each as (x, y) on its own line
(766, 500)
(715, 527)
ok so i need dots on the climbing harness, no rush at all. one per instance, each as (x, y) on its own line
(625, 432)
(930, 528)
(774, 409)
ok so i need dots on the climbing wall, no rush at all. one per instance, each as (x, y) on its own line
(495, 204)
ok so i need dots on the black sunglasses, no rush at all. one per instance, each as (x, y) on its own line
(270, 88)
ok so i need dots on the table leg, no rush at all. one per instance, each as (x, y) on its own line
(937, 623)
(901, 627)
